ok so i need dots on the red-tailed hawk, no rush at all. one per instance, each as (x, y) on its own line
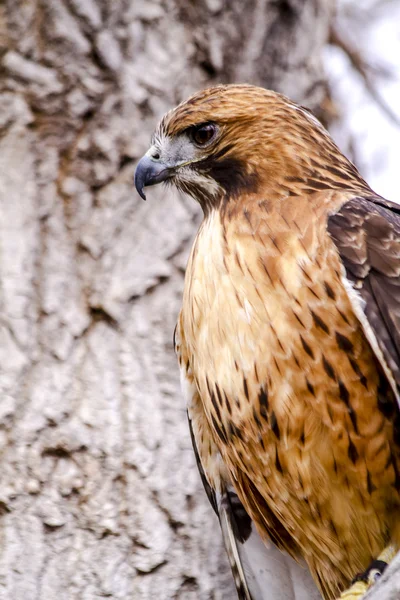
(288, 340)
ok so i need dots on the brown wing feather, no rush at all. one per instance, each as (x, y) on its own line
(366, 232)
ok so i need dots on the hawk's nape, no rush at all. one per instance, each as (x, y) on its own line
(288, 340)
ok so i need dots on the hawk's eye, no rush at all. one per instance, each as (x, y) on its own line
(203, 134)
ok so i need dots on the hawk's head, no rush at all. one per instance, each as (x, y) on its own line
(231, 140)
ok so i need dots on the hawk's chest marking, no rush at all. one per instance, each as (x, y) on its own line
(266, 315)
(238, 309)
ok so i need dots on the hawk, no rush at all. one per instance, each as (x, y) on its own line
(288, 340)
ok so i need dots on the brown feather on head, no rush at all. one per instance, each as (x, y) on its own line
(233, 140)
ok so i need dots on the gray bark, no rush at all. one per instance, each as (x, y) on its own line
(99, 494)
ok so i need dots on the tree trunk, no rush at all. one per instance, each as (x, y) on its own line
(100, 496)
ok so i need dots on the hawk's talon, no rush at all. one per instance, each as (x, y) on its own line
(377, 575)
(374, 571)
(363, 581)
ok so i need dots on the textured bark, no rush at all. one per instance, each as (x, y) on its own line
(99, 493)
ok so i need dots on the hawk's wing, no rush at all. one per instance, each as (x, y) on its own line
(366, 232)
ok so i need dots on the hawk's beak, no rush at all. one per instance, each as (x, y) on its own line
(150, 172)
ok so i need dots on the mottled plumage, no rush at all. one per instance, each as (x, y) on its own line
(289, 336)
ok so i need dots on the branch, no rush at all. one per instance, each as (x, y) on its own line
(367, 72)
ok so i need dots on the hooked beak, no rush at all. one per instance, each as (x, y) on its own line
(150, 172)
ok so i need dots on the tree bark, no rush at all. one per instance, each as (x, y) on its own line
(99, 495)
